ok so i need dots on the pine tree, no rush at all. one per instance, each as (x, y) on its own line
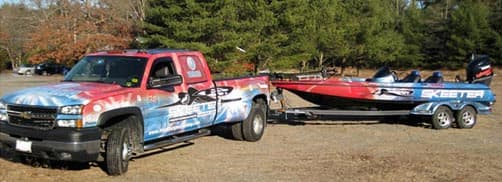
(469, 32)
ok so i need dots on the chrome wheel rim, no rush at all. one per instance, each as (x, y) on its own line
(125, 151)
(468, 118)
(444, 119)
(257, 124)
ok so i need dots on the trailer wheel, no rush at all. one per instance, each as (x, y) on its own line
(118, 151)
(466, 118)
(442, 118)
(253, 126)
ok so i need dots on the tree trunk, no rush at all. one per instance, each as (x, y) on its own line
(397, 7)
(342, 70)
(358, 68)
(12, 62)
(141, 10)
(304, 64)
(74, 30)
(321, 60)
(265, 63)
(446, 9)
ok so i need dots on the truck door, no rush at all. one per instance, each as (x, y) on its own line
(164, 114)
(199, 97)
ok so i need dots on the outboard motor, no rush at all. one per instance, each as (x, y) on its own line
(480, 70)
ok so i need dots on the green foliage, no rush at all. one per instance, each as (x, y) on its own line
(470, 31)
(309, 34)
(413, 30)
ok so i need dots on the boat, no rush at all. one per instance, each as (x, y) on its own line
(385, 91)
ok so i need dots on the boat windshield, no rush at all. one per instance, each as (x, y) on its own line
(121, 70)
(384, 74)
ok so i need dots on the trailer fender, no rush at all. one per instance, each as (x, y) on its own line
(430, 108)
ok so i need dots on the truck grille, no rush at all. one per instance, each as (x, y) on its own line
(42, 118)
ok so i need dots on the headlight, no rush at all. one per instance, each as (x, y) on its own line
(2, 106)
(77, 109)
(3, 117)
(3, 114)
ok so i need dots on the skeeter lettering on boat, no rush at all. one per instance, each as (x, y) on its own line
(453, 94)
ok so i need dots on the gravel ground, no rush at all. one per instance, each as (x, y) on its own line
(298, 151)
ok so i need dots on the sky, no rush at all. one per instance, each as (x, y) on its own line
(8, 1)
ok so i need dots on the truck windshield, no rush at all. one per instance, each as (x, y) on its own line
(122, 70)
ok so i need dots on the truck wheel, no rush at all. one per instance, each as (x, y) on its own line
(254, 125)
(237, 131)
(442, 118)
(118, 151)
(466, 118)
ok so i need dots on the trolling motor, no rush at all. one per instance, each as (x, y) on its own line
(480, 70)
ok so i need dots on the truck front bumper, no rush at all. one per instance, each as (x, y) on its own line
(67, 144)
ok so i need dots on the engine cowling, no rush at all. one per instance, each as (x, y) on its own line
(480, 70)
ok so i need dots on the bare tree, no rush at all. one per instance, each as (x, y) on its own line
(16, 22)
(77, 27)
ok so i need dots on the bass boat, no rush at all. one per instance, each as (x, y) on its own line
(384, 91)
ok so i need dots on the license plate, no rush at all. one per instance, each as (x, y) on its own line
(23, 146)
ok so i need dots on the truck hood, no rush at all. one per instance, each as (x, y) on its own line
(61, 94)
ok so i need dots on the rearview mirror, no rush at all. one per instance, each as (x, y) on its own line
(171, 80)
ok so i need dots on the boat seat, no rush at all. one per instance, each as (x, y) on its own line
(436, 77)
(413, 77)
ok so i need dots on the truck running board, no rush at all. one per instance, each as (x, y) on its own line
(176, 139)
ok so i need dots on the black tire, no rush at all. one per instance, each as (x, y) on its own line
(466, 118)
(442, 118)
(253, 126)
(118, 151)
(237, 131)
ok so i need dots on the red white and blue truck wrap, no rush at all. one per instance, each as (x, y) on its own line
(114, 105)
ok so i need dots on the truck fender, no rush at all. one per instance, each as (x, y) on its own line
(428, 108)
(264, 98)
(250, 103)
(106, 119)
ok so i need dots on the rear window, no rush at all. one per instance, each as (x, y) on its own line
(194, 73)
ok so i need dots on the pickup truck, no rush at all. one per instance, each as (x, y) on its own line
(115, 105)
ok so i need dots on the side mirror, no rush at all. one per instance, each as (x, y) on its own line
(171, 80)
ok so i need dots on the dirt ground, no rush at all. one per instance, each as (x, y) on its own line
(300, 151)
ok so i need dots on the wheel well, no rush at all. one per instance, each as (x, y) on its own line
(113, 121)
(444, 105)
(264, 99)
(475, 109)
(123, 118)
(261, 97)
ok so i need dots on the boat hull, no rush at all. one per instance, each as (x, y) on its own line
(327, 101)
(340, 93)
